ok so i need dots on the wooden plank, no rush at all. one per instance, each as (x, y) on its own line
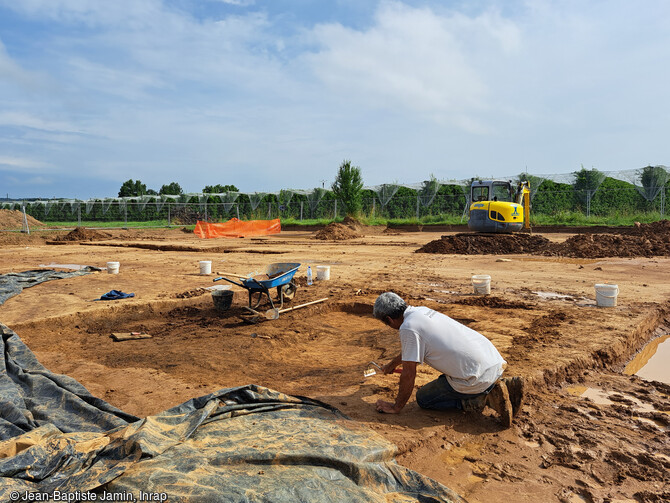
(129, 336)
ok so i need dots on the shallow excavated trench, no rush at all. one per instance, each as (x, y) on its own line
(320, 350)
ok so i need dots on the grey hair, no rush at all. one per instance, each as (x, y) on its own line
(389, 304)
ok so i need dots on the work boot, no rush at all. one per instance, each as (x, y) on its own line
(475, 404)
(515, 387)
(498, 400)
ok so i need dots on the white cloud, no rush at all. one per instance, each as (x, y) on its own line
(21, 163)
(12, 74)
(90, 12)
(239, 3)
(27, 120)
(415, 60)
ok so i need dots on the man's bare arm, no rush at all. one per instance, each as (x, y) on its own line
(391, 366)
(406, 387)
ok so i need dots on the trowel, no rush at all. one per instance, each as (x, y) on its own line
(369, 372)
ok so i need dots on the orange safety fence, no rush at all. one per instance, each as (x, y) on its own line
(235, 228)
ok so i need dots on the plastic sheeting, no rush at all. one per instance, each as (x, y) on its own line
(244, 444)
(235, 228)
(13, 283)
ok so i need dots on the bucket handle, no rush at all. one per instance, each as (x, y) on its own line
(602, 293)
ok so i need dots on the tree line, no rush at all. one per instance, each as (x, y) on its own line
(591, 192)
(135, 188)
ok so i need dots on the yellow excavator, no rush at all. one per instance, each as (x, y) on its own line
(498, 206)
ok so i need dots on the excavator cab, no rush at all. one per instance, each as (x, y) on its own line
(496, 206)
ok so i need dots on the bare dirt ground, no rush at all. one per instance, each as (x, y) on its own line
(541, 315)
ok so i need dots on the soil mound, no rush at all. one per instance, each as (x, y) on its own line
(645, 240)
(483, 244)
(493, 302)
(348, 229)
(13, 219)
(83, 234)
(353, 223)
(649, 244)
(654, 228)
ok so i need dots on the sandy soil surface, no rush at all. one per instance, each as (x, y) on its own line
(541, 314)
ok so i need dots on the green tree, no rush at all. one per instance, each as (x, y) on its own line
(653, 180)
(219, 189)
(586, 183)
(348, 187)
(616, 197)
(171, 189)
(132, 188)
(552, 197)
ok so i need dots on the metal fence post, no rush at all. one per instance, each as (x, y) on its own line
(417, 206)
(335, 212)
(79, 215)
(662, 201)
(26, 228)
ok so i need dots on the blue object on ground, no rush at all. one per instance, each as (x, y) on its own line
(115, 295)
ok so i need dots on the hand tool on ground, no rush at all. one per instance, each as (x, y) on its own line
(370, 372)
(273, 314)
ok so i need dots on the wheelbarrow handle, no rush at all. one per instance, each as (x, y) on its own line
(254, 280)
(229, 280)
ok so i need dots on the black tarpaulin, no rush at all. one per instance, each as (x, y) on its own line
(244, 444)
(13, 283)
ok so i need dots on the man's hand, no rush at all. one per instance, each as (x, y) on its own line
(405, 388)
(389, 367)
(386, 407)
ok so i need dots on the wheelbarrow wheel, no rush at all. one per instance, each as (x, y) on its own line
(288, 290)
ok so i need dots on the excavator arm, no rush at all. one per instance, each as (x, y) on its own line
(523, 198)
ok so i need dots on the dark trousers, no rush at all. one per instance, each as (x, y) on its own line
(439, 395)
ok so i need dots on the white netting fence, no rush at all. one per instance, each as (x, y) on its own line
(586, 191)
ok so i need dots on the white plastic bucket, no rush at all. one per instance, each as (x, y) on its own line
(205, 267)
(322, 272)
(606, 294)
(482, 284)
(113, 267)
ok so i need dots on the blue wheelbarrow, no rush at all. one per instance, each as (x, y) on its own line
(278, 275)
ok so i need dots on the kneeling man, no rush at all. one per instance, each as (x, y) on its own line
(471, 366)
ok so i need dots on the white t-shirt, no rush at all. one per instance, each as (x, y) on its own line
(470, 362)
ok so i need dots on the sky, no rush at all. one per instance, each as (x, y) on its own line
(276, 94)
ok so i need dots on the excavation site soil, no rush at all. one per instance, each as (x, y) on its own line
(587, 431)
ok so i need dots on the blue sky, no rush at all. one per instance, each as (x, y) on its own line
(275, 94)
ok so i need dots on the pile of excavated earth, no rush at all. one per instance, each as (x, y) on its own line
(83, 234)
(645, 240)
(350, 228)
(13, 219)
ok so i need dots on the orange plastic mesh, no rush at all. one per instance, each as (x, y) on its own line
(235, 228)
